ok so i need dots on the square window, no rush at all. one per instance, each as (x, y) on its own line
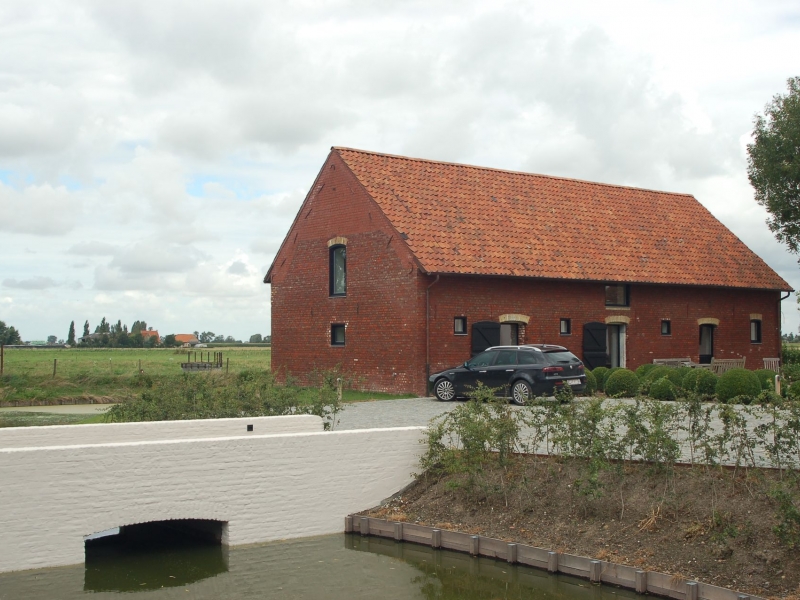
(566, 326)
(337, 334)
(618, 295)
(460, 325)
(666, 327)
(755, 331)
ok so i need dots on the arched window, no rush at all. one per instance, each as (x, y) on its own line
(338, 270)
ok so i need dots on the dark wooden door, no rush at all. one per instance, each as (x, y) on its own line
(595, 352)
(484, 335)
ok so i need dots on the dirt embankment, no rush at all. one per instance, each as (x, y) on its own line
(712, 525)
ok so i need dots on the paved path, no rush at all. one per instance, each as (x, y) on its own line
(392, 413)
(62, 409)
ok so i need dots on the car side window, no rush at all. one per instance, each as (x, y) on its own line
(484, 359)
(506, 357)
(528, 358)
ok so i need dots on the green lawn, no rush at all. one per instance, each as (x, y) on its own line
(112, 374)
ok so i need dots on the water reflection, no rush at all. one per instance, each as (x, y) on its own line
(152, 556)
(334, 567)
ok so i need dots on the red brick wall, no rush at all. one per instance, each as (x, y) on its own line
(383, 310)
(546, 302)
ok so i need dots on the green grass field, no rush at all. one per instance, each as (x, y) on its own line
(112, 374)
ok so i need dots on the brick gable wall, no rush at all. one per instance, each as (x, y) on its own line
(383, 310)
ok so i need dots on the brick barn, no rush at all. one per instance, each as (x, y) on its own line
(395, 267)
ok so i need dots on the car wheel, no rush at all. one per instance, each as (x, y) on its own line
(521, 392)
(444, 390)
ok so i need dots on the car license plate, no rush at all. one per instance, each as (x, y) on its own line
(573, 381)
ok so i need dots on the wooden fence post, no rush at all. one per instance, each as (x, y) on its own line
(2, 358)
(227, 365)
(55, 364)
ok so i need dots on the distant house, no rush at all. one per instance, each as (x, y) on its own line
(396, 267)
(187, 339)
(147, 334)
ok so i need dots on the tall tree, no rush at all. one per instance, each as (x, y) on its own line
(71, 335)
(86, 328)
(51, 339)
(9, 335)
(773, 164)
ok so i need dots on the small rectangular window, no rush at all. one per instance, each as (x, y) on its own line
(755, 331)
(337, 279)
(460, 325)
(666, 327)
(337, 334)
(618, 295)
(566, 326)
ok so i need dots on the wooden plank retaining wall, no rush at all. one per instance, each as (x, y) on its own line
(596, 571)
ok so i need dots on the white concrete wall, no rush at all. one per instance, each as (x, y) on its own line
(266, 487)
(109, 433)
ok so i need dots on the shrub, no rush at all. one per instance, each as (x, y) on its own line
(790, 373)
(768, 397)
(622, 383)
(600, 376)
(643, 370)
(659, 372)
(591, 384)
(794, 391)
(677, 375)
(737, 382)
(663, 389)
(706, 382)
(689, 382)
(767, 379)
(790, 355)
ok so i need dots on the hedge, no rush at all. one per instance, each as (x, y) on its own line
(622, 383)
(767, 379)
(600, 376)
(663, 389)
(643, 370)
(737, 382)
(591, 384)
(706, 383)
(689, 382)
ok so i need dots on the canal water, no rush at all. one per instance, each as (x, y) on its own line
(337, 567)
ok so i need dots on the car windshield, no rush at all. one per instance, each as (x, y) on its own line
(561, 357)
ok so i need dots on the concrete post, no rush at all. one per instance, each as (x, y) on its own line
(778, 384)
(511, 553)
(595, 568)
(691, 590)
(348, 524)
(641, 582)
(398, 532)
(436, 538)
(475, 546)
(552, 562)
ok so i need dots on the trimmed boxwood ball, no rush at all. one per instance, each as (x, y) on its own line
(689, 382)
(767, 379)
(737, 382)
(676, 376)
(706, 382)
(663, 389)
(622, 383)
(591, 384)
(659, 372)
(643, 370)
(600, 377)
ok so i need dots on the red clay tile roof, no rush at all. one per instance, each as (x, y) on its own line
(474, 220)
(186, 338)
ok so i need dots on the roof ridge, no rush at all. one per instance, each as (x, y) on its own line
(510, 171)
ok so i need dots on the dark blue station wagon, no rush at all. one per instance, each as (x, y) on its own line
(518, 372)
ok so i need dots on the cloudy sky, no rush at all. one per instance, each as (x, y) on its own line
(154, 153)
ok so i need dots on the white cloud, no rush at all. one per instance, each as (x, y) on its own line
(154, 141)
